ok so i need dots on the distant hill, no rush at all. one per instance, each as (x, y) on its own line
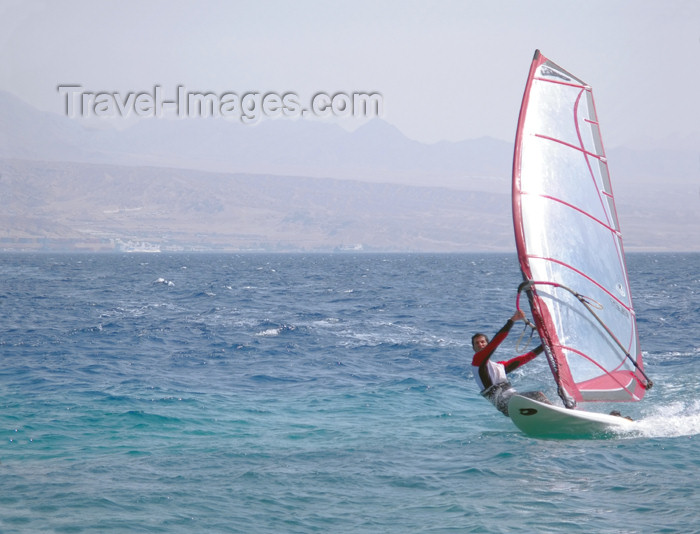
(66, 206)
(209, 184)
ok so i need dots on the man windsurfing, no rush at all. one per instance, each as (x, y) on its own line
(490, 376)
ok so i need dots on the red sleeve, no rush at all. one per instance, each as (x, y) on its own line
(514, 363)
(485, 353)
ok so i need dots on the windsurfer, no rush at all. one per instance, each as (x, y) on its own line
(491, 376)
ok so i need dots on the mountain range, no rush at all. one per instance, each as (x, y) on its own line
(286, 185)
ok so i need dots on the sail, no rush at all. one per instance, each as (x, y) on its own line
(569, 242)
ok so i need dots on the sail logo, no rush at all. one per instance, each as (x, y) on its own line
(549, 72)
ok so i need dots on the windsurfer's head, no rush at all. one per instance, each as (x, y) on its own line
(479, 341)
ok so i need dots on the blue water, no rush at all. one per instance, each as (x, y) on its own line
(317, 393)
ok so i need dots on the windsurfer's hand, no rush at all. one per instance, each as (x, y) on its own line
(518, 316)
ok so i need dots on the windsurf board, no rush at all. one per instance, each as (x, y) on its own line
(538, 419)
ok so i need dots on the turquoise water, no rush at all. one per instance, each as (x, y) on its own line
(318, 393)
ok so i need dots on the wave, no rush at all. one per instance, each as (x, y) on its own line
(276, 330)
(677, 419)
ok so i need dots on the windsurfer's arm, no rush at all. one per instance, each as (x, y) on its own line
(514, 363)
(484, 354)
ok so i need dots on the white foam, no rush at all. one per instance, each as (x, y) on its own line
(269, 332)
(673, 420)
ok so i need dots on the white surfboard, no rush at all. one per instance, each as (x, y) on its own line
(545, 420)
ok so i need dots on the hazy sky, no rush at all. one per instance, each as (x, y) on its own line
(447, 70)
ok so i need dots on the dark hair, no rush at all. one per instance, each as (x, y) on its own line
(479, 334)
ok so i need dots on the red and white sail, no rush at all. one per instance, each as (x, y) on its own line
(569, 242)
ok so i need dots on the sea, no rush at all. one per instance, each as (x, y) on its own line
(329, 393)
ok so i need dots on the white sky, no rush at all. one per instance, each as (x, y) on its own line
(447, 70)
